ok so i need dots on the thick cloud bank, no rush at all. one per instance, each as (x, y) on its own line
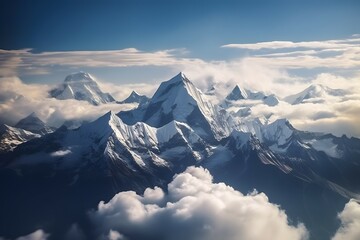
(193, 208)
(350, 222)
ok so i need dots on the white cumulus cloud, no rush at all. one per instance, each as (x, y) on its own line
(350, 222)
(193, 208)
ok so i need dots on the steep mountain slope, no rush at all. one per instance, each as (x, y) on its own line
(236, 94)
(178, 99)
(11, 137)
(313, 157)
(81, 86)
(115, 148)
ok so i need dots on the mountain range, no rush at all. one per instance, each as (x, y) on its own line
(177, 127)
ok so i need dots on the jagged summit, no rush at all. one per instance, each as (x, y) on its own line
(178, 99)
(81, 86)
(103, 124)
(236, 94)
(178, 78)
(240, 94)
(134, 97)
(34, 124)
(134, 93)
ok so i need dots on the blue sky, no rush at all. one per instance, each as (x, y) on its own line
(199, 26)
(186, 29)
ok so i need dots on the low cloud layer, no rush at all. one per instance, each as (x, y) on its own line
(193, 208)
(17, 100)
(350, 222)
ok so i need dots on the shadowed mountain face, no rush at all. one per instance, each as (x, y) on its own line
(34, 124)
(311, 175)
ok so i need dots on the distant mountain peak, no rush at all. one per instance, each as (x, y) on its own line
(236, 94)
(32, 119)
(81, 86)
(134, 97)
(33, 114)
(314, 93)
(134, 93)
(239, 94)
(34, 124)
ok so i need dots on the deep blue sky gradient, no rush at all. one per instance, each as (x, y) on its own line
(199, 26)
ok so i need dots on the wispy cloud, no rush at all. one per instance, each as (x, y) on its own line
(36, 63)
(332, 54)
(329, 44)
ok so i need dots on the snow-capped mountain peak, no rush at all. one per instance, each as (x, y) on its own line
(278, 131)
(178, 99)
(79, 77)
(134, 94)
(81, 86)
(178, 91)
(134, 97)
(236, 94)
(315, 92)
(178, 78)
